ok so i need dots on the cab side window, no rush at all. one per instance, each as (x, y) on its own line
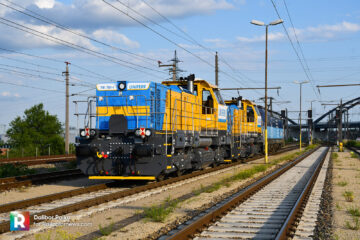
(207, 102)
(250, 114)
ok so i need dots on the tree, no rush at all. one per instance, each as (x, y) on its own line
(37, 128)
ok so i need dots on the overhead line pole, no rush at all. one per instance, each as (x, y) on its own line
(216, 69)
(67, 109)
(300, 117)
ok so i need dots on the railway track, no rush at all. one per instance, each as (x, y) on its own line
(357, 151)
(28, 180)
(29, 161)
(267, 209)
(74, 200)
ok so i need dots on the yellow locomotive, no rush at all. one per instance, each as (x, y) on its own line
(147, 130)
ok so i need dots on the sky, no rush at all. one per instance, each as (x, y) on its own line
(111, 40)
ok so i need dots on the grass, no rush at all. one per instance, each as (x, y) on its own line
(355, 226)
(60, 234)
(12, 170)
(54, 169)
(338, 207)
(354, 155)
(342, 183)
(353, 143)
(161, 212)
(354, 211)
(349, 196)
(71, 164)
(105, 231)
(334, 155)
(245, 174)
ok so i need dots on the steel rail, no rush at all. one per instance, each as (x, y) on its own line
(5, 226)
(189, 231)
(38, 160)
(288, 225)
(354, 150)
(27, 180)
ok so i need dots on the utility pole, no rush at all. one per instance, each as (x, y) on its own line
(67, 108)
(340, 123)
(300, 118)
(216, 70)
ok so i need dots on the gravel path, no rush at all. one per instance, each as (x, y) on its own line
(346, 178)
(129, 224)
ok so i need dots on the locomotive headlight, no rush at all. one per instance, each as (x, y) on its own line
(148, 132)
(122, 85)
(83, 133)
(137, 132)
(92, 132)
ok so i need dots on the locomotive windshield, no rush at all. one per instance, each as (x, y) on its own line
(218, 96)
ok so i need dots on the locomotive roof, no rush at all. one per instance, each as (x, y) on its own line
(206, 83)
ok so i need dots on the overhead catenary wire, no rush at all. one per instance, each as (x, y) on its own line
(58, 25)
(39, 76)
(297, 54)
(192, 40)
(297, 40)
(159, 34)
(53, 60)
(76, 47)
(27, 86)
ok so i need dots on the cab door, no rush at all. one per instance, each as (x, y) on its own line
(250, 118)
(208, 111)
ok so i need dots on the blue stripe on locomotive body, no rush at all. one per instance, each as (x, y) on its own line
(274, 125)
(132, 97)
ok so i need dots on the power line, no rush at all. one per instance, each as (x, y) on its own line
(297, 54)
(75, 46)
(192, 40)
(39, 76)
(27, 86)
(39, 71)
(156, 32)
(22, 61)
(52, 60)
(297, 40)
(58, 25)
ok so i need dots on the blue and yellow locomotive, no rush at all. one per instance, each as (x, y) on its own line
(147, 130)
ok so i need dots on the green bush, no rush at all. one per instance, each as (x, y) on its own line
(12, 170)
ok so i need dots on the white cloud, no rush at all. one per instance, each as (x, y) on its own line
(318, 33)
(9, 94)
(17, 39)
(96, 14)
(45, 3)
(276, 36)
(114, 37)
